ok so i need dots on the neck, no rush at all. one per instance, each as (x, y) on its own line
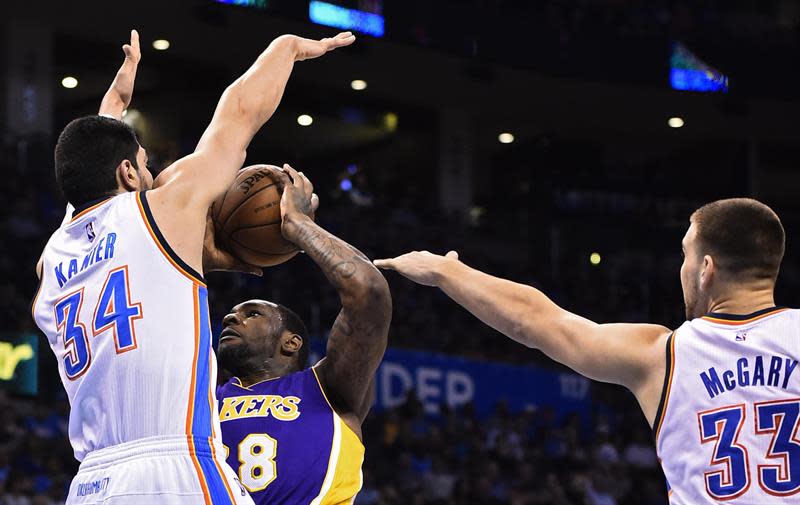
(269, 369)
(744, 299)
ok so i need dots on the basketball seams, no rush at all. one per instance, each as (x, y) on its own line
(258, 251)
(242, 203)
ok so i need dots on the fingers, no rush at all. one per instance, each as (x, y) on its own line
(452, 255)
(314, 202)
(135, 40)
(280, 177)
(385, 264)
(300, 181)
(341, 40)
(296, 179)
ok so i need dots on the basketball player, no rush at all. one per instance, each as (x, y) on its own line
(123, 302)
(294, 433)
(724, 399)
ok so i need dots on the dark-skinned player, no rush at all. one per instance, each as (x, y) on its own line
(294, 433)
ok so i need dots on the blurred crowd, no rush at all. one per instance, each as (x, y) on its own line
(525, 458)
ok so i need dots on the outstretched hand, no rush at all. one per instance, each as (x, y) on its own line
(132, 51)
(127, 72)
(421, 267)
(307, 49)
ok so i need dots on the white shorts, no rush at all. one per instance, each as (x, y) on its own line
(158, 470)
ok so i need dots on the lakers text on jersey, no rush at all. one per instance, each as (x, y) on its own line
(287, 444)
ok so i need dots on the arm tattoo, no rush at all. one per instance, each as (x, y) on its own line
(337, 259)
(357, 340)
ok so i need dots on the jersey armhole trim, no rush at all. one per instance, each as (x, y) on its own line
(161, 242)
(668, 373)
(333, 411)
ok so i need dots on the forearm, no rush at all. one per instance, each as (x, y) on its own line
(521, 312)
(359, 335)
(120, 92)
(346, 268)
(252, 99)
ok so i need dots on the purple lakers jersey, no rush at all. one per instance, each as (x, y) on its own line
(287, 444)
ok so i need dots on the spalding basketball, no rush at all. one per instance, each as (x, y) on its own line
(247, 219)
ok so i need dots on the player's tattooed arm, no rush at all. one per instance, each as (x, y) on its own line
(119, 94)
(358, 338)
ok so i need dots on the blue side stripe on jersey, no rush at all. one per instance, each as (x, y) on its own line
(201, 422)
(216, 487)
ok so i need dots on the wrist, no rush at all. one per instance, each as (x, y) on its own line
(287, 43)
(446, 270)
(293, 223)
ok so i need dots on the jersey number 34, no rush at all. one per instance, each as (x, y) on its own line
(114, 311)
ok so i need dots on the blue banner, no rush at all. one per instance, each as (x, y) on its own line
(454, 381)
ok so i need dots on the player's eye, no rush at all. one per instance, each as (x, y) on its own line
(253, 313)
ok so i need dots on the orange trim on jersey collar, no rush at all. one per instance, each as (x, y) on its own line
(89, 209)
(174, 260)
(736, 320)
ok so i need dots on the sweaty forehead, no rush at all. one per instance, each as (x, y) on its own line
(254, 304)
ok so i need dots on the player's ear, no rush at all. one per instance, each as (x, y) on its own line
(707, 271)
(292, 343)
(127, 176)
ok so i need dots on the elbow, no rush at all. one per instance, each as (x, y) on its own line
(372, 293)
(377, 292)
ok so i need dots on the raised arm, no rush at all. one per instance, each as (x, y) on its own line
(185, 190)
(357, 340)
(242, 110)
(119, 94)
(632, 355)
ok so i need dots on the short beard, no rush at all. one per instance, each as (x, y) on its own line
(237, 360)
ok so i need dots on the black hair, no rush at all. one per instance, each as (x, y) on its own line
(88, 151)
(744, 236)
(294, 324)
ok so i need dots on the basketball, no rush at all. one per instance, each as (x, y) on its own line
(247, 219)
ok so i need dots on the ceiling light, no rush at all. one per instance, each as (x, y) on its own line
(161, 44)
(304, 120)
(69, 82)
(675, 122)
(358, 84)
(505, 138)
(595, 258)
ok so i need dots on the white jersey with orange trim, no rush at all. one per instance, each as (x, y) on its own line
(727, 427)
(128, 322)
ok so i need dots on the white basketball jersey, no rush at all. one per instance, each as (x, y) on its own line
(128, 322)
(727, 426)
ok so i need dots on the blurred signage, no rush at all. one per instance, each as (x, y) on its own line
(258, 4)
(690, 73)
(18, 363)
(336, 16)
(448, 380)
